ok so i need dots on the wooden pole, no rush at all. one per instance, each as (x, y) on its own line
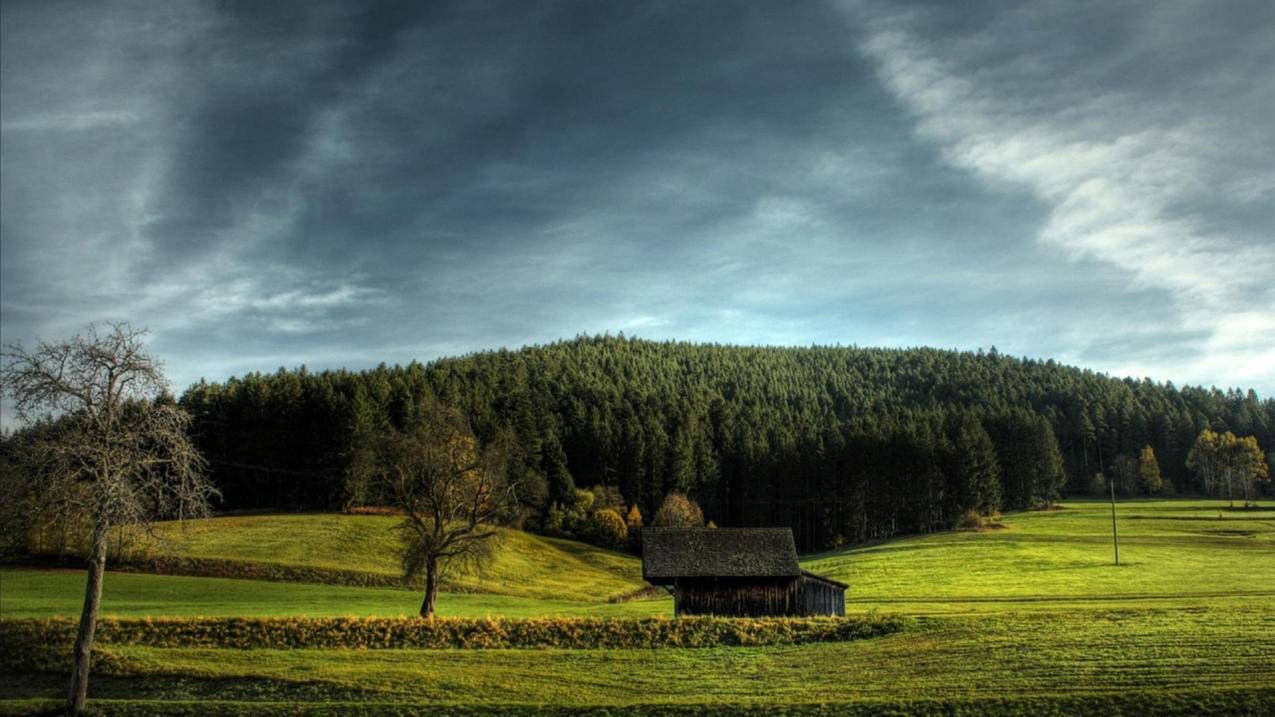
(1115, 537)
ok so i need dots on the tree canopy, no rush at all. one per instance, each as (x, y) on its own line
(840, 443)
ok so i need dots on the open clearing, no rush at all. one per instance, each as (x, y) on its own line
(1030, 617)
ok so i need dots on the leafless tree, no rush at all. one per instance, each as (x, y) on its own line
(1124, 471)
(108, 455)
(452, 492)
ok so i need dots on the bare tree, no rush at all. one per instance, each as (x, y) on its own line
(108, 455)
(1124, 472)
(453, 493)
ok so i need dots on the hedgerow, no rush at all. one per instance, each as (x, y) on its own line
(445, 633)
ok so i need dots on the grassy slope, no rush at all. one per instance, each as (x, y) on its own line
(1191, 610)
(525, 565)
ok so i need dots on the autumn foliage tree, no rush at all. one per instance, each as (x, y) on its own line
(1205, 460)
(1224, 460)
(1245, 464)
(678, 511)
(1149, 472)
(607, 529)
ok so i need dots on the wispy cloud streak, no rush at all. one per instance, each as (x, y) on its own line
(1123, 182)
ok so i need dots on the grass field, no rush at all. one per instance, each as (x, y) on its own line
(28, 593)
(1171, 552)
(1030, 618)
(525, 565)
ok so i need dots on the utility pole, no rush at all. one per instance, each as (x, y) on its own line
(1115, 538)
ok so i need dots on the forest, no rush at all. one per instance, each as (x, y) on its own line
(843, 444)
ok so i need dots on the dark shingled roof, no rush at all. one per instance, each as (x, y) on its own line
(669, 553)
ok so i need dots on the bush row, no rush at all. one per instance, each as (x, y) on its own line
(1229, 703)
(487, 633)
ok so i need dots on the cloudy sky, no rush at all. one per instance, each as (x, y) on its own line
(267, 184)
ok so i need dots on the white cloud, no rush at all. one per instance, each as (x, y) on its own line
(1122, 183)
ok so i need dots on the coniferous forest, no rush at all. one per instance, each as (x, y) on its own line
(842, 444)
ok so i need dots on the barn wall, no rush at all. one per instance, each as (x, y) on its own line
(744, 597)
(816, 597)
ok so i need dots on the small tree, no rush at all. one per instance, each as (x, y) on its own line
(678, 511)
(575, 517)
(1124, 473)
(633, 523)
(453, 493)
(1243, 463)
(1149, 472)
(607, 497)
(108, 455)
(607, 529)
(1205, 459)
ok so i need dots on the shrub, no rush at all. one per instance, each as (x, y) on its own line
(970, 520)
(607, 528)
(678, 511)
(607, 496)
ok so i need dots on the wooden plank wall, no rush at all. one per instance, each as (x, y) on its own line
(737, 596)
(820, 598)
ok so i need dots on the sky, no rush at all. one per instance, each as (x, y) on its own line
(344, 184)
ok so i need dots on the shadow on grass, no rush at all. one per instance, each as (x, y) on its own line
(33, 686)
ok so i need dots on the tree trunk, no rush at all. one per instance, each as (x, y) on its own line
(79, 689)
(431, 589)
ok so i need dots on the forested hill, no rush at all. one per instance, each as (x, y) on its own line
(843, 444)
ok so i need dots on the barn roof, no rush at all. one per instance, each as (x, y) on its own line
(824, 579)
(669, 553)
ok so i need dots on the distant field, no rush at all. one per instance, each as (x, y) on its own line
(1025, 619)
(1171, 553)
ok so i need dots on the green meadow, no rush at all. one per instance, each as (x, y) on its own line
(28, 593)
(1188, 553)
(1028, 618)
(523, 564)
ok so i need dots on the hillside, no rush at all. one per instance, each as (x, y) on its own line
(840, 443)
(524, 565)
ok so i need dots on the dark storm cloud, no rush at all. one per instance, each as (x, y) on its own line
(345, 183)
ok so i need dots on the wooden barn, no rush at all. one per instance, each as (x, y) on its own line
(736, 571)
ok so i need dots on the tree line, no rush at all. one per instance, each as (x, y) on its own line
(841, 443)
